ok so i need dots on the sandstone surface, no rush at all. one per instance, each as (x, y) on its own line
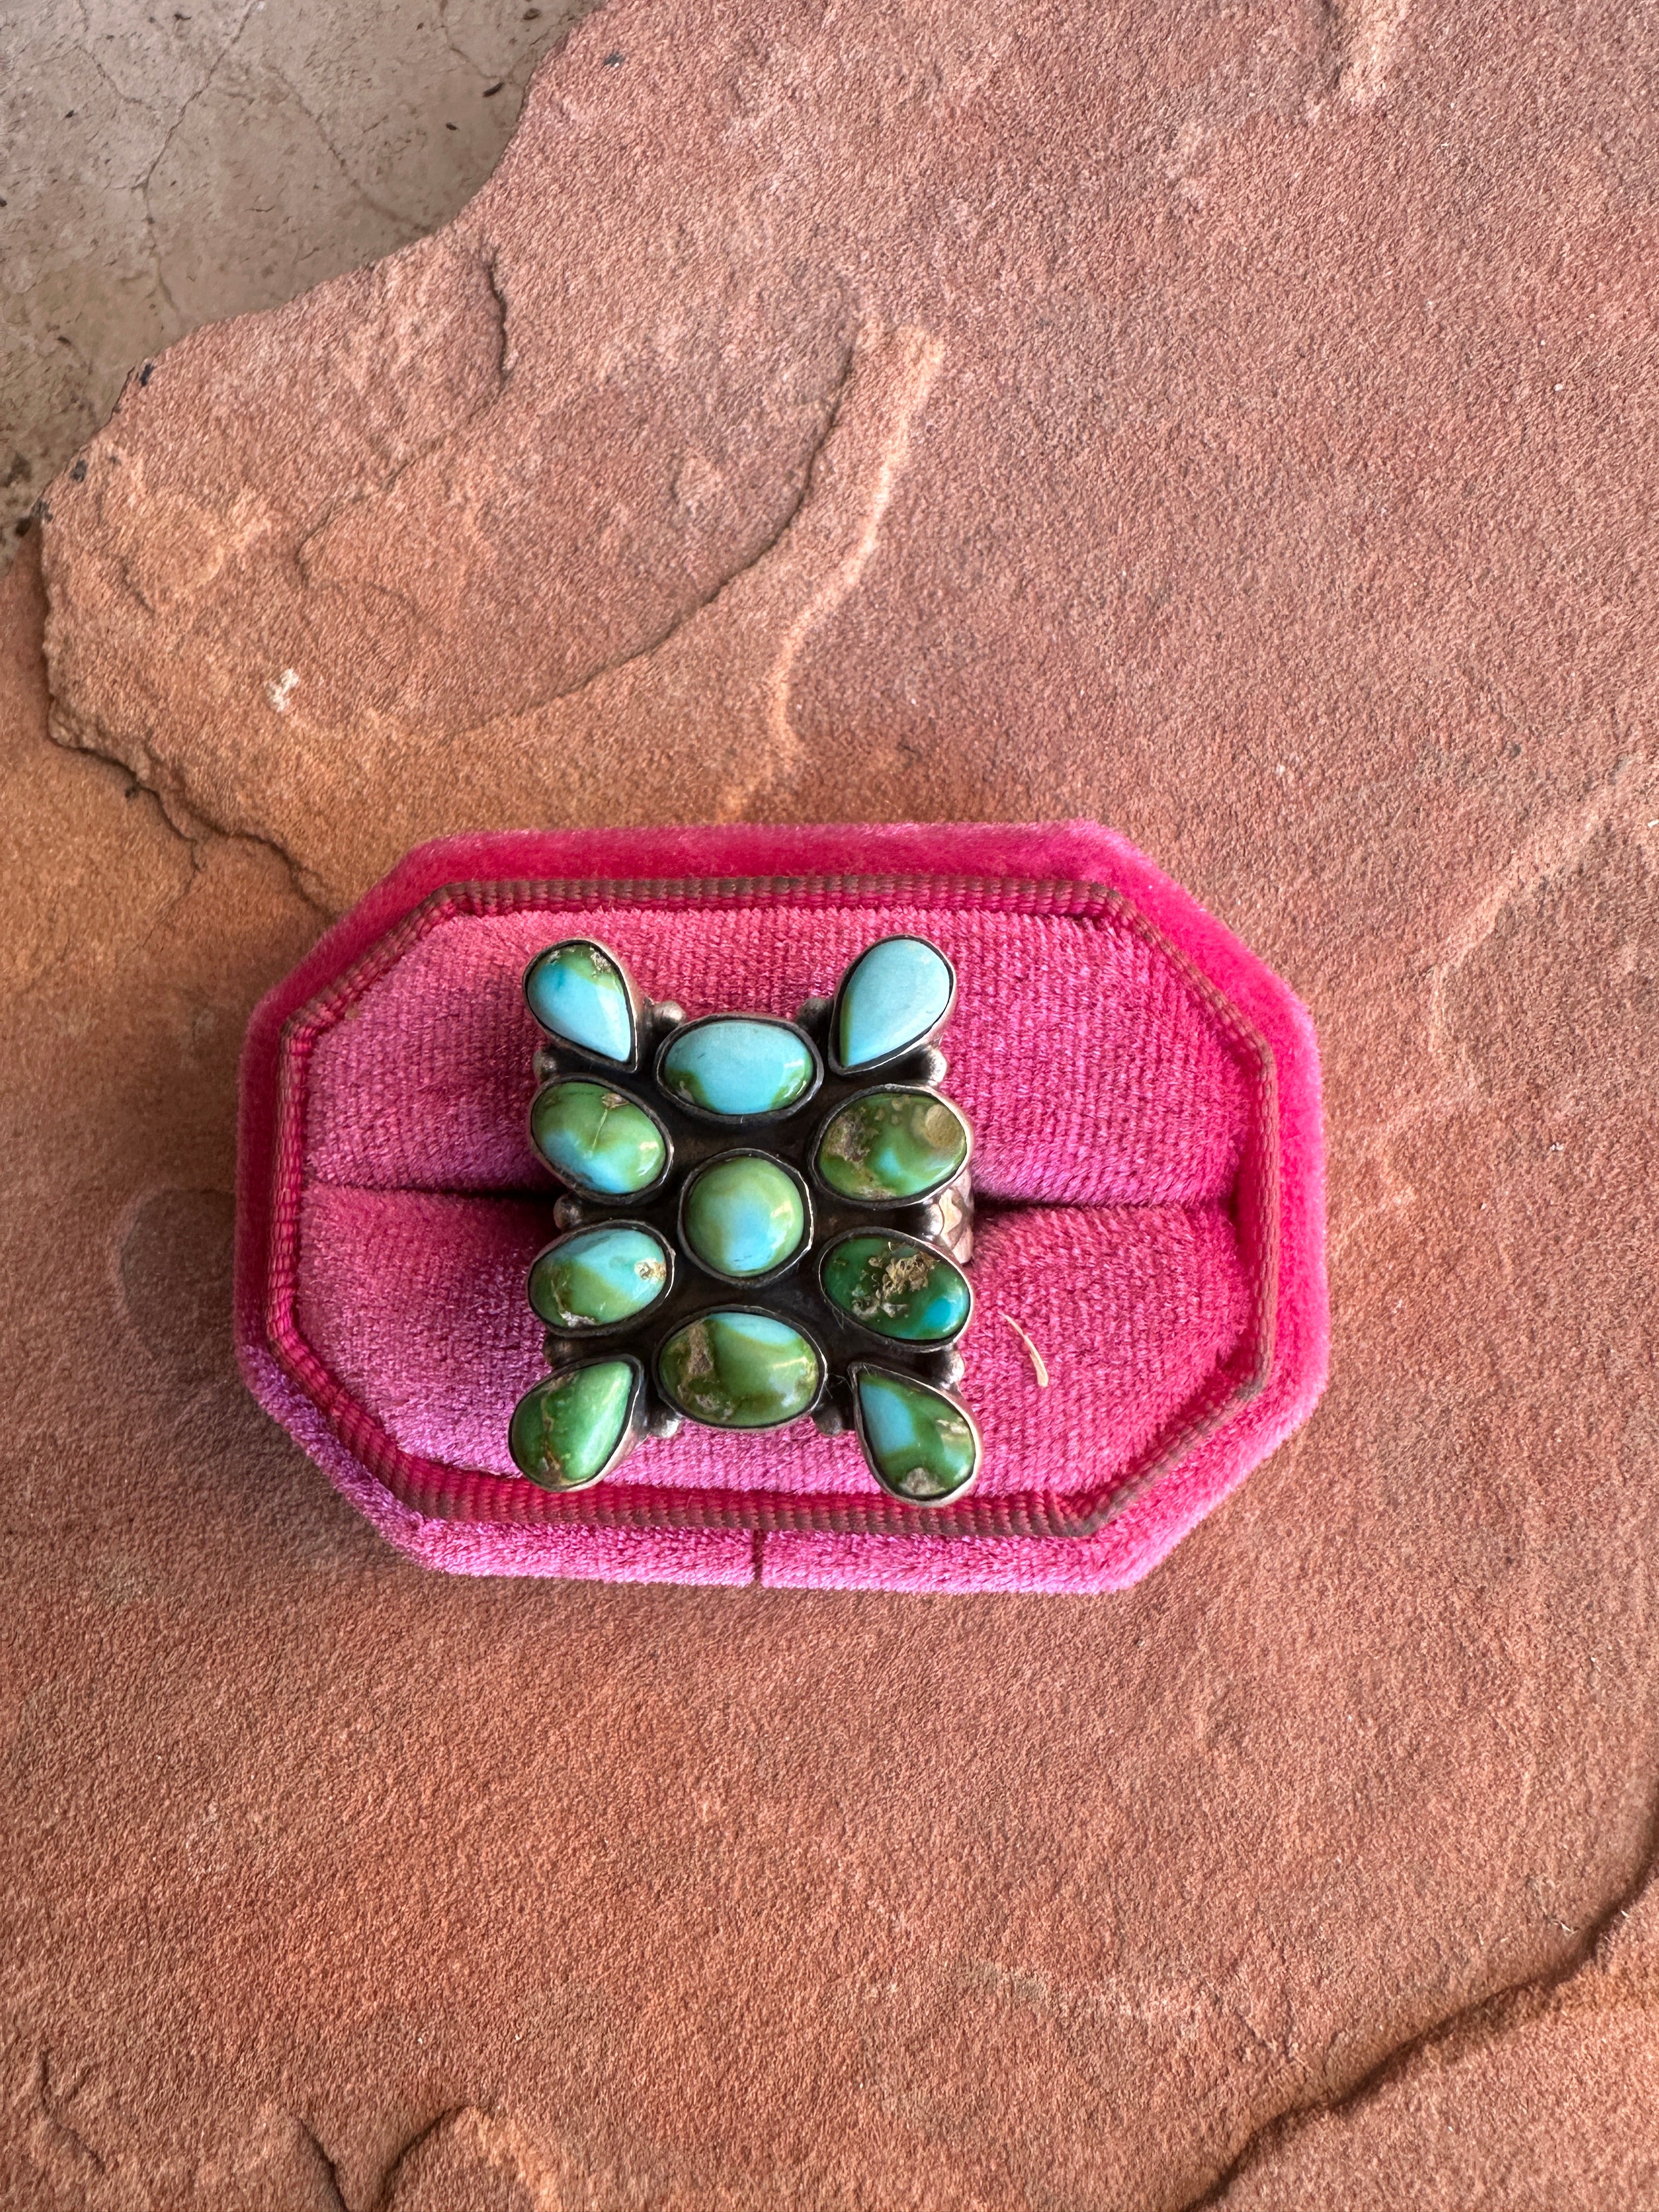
(160, 167)
(1231, 423)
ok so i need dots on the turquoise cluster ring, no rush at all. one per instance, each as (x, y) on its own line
(761, 1219)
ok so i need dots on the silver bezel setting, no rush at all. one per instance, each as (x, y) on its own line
(864, 1068)
(738, 1121)
(893, 1205)
(759, 1313)
(860, 1368)
(798, 1251)
(634, 1422)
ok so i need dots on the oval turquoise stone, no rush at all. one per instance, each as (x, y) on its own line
(743, 1216)
(597, 1277)
(892, 1144)
(565, 1430)
(735, 1066)
(576, 992)
(919, 1444)
(738, 1370)
(596, 1139)
(893, 995)
(896, 1289)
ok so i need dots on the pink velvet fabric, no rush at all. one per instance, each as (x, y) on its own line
(1145, 1094)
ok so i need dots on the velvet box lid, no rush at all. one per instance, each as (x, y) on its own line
(1144, 1094)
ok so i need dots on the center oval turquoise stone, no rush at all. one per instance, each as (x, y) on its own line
(736, 1066)
(743, 1216)
(565, 1431)
(596, 1139)
(920, 1444)
(894, 994)
(598, 1278)
(892, 1144)
(576, 992)
(896, 1288)
(740, 1370)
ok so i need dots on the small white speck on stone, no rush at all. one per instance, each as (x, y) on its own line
(282, 690)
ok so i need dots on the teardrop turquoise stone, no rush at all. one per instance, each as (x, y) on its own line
(737, 1067)
(743, 1216)
(897, 1289)
(565, 1430)
(892, 1144)
(597, 1277)
(738, 1370)
(893, 995)
(596, 1139)
(576, 992)
(919, 1445)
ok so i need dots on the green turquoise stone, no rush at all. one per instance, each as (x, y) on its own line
(577, 992)
(892, 1144)
(893, 995)
(565, 1430)
(597, 1277)
(596, 1139)
(896, 1289)
(920, 1445)
(743, 1216)
(737, 1066)
(738, 1370)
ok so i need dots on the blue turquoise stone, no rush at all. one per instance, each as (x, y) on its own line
(576, 992)
(894, 994)
(740, 1370)
(598, 1278)
(735, 1066)
(891, 1145)
(920, 1444)
(744, 1216)
(596, 1139)
(897, 1288)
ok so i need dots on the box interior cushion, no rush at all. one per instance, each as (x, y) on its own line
(1116, 1110)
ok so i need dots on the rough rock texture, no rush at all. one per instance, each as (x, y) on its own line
(1229, 423)
(161, 165)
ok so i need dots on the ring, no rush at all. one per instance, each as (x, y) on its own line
(761, 1219)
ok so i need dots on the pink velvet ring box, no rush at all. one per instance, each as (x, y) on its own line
(1147, 1173)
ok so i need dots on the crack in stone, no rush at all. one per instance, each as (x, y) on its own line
(172, 130)
(127, 99)
(65, 733)
(498, 293)
(387, 484)
(1545, 854)
(465, 59)
(411, 229)
(922, 354)
(313, 2141)
(772, 601)
(688, 613)
(487, 2144)
(1620, 801)
(50, 2104)
(1458, 2033)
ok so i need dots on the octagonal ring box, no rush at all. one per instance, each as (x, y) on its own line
(1147, 1173)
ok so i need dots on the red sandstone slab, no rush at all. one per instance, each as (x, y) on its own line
(1230, 425)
